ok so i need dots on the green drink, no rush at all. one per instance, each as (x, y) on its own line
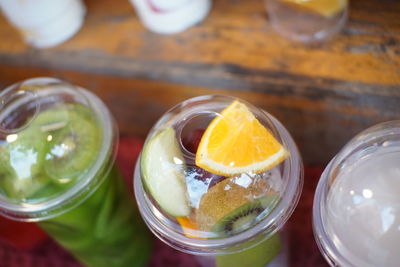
(56, 167)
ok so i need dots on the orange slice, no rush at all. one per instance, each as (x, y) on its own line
(327, 8)
(236, 142)
(186, 225)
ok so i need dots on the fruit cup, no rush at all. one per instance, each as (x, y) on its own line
(356, 211)
(218, 178)
(57, 169)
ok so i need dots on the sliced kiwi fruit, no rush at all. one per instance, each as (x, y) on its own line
(74, 143)
(27, 152)
(226, 196)
(245, 216)
(7, 174)
(21, 161)
(58, 144)
(52, 119)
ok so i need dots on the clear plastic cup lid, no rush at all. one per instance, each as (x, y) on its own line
(357, 203)
(214, 167)
(52, 141)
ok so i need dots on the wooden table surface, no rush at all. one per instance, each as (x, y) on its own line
(323, 94)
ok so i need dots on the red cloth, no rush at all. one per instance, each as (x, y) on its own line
(25, 245)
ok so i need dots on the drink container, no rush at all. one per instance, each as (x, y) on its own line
(57, 169)
(307, 21)
(218, 178)
(356, 211)
(45, 23)
(171, 16)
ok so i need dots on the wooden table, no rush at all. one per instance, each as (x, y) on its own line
(323, 94)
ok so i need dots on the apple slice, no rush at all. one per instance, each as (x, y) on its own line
(162, 166)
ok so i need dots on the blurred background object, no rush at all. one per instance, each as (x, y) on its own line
(324, 94)
(171, 16)
(307, 21)
(44, 23)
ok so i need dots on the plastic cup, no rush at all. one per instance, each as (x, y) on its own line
(356, 212)
(171, 16)
(45, 23)
(309, 21)
(258, 241)
(57, 169)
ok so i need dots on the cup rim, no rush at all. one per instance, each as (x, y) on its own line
(324, 243)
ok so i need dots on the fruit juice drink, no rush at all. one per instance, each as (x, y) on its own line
(57, 168)
(357, 203)
(307, 21)
(219, 178)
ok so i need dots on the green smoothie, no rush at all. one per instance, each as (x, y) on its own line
(104, 230)
(55, 158)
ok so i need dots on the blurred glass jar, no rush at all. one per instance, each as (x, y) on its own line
(307, 21)
(45, 23)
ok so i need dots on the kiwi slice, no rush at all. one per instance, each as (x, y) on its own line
(228, 195)
(245, 216)
(27, 157)
(21, 161)
(74, 142)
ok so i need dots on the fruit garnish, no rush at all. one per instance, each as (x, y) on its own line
(187, 224)
(74, 139)
(163, 176)
(21, 161)
(231, 196)
(236, 142)
(327, 8)
(55, 147)
(245, 216)
(198, 182)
